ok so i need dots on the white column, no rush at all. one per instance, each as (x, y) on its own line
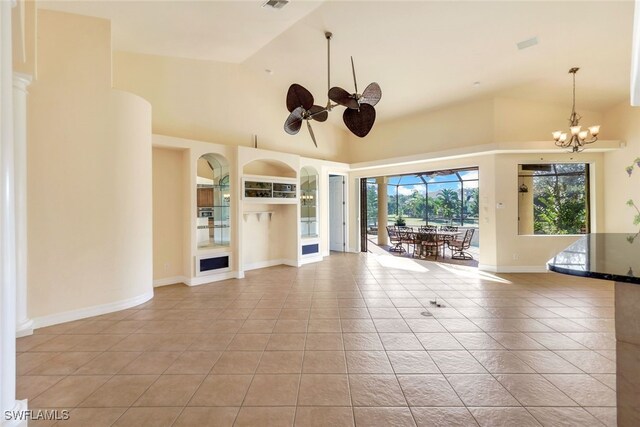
(383, 211)
(24, 325)
(7, 226)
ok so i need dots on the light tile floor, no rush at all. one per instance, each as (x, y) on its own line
(335, 343)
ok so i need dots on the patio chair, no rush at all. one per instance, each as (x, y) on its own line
(415, 238)
(407, 237)
(428, 228)
(394, 239)
(449, 228)
(431, 244)
(459, 247)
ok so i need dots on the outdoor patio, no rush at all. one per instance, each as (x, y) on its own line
(444, 257)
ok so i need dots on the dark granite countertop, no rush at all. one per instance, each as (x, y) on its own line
(607, 256)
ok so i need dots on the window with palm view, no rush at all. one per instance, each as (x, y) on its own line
(448, 197)
(553, 198)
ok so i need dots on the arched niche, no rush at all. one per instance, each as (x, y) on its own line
(308, 202)
(269, 167)
(213, 202)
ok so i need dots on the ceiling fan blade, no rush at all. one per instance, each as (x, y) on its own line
(313, 137)
(360, 122)
(342, 97)
(294, 121)
(298, 96)
(371, 95)
(318, 113)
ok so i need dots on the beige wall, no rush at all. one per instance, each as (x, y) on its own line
(454, 126)
(269, 238)
(168, 213)
(624, 121)
(458, 126)
(89, 177)
(221, 103)
(520, 120)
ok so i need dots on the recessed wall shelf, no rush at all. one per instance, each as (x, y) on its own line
(262, 189)
(258, 214)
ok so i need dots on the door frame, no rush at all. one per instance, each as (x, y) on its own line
(345, 210)
(362, 203)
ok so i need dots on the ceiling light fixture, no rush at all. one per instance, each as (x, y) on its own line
(577, 138)
(359, 115)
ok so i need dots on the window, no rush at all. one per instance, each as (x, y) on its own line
(553, 198)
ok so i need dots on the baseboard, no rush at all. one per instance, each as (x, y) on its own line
(263, 264)
(310, 260)
(513, 268)
(24, 329)
(96, 310)
(169, 281)
(271, 263)
(203, 280)
(290, 262)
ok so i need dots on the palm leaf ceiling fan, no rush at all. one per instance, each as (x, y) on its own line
(359, 115)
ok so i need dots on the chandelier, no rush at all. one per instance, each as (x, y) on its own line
(577, 138)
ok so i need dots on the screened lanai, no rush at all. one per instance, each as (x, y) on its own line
(445, 197)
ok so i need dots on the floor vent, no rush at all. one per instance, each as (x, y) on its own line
(310, 249)
(211, 264)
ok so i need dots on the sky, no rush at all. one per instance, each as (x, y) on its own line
(407, 189)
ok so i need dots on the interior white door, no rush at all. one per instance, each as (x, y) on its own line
(336, 214)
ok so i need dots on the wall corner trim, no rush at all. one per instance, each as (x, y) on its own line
(96, 310)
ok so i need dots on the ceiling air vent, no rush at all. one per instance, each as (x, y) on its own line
(527, 43)
(275, 4)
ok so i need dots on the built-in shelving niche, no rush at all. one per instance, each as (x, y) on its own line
(213, 235)
(270, 196)
(213, 200)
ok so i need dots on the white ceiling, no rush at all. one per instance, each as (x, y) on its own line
(226, 31)
(424, 54)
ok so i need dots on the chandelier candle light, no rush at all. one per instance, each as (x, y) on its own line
(578, 137)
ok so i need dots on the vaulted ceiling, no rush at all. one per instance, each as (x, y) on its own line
(424, 54)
